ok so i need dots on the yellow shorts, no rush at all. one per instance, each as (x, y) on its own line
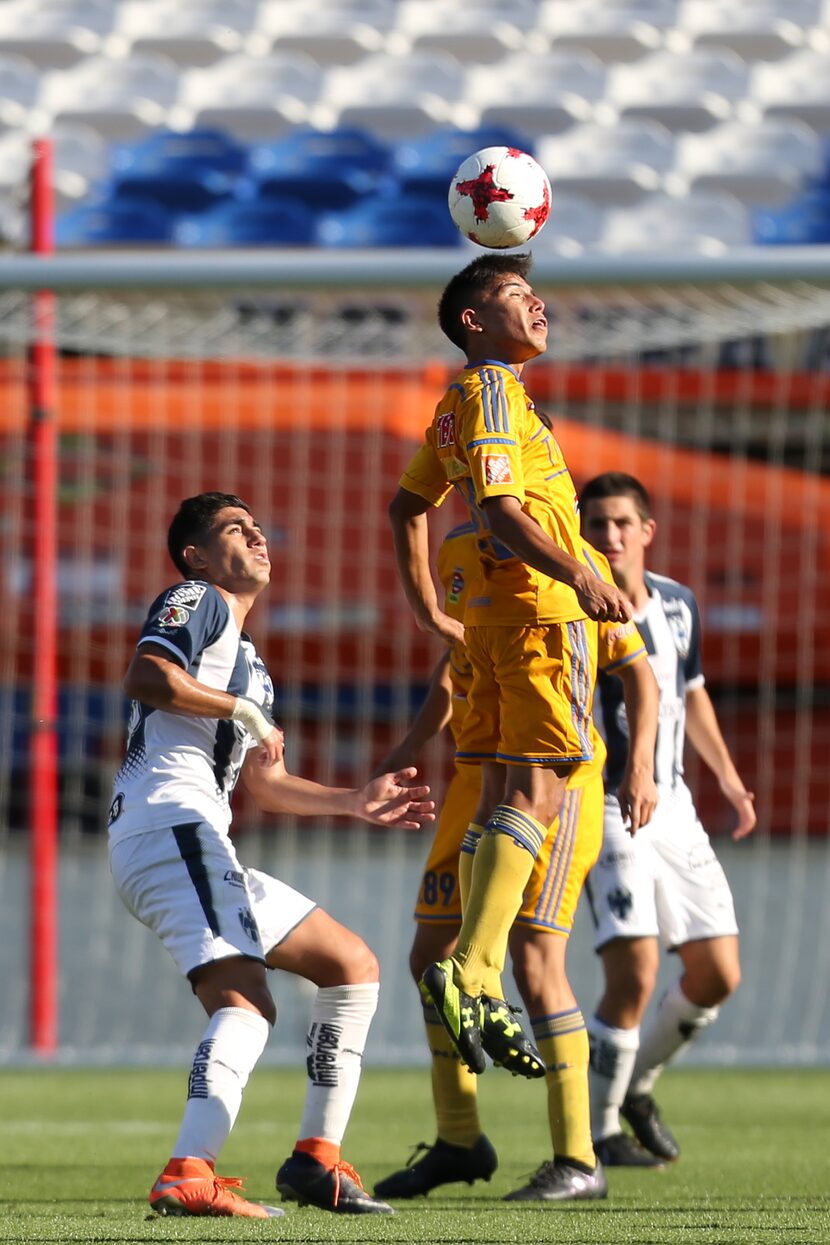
(564, 861)
(530, 699)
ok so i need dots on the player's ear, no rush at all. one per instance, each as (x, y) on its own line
(470, 320)
(649, 529)
(194, 558)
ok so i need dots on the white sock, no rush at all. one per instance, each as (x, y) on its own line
(340, 1020)
(227, 1054)
(613, 1052)
(675, 1024)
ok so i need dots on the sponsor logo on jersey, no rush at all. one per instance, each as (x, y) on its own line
(619, 633)
(173, 616)
(454, 468)
(188, 595)
(235, 878)
(116, 809)
(456, 585)
(497, 469)
(445, 431)
(248, 923)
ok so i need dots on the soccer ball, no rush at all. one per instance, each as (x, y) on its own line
(499, 197)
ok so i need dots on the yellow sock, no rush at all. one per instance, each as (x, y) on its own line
(465, 862)
(501, 867)
(454, 1087)
(563, 1044)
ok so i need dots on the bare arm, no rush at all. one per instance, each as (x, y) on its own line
(637, 792)
(429, 721)
(389, 800)
(704, 734)
(408, 515)
(156, 679)
(509, 524)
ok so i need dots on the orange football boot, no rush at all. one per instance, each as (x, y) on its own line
(191, 1187)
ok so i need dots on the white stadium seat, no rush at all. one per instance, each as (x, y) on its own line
(573, 227)
(614, 30)
(754, 29)
(196, 33)
(610, 164)
(79, 160)
(54, 34)
(704, 223)
(759, 164)
(474, 33)
(396, 96)
(21, 88)
(797, 87)
(333, 34)
(253, 98)
(121, 99)
(537, 94)
(683, 92)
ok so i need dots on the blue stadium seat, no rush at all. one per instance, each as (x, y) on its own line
(426, 165)
(327, 170)
(189, 172)
(389, 220)
(260, 222)
(804, 221)
(123, 222)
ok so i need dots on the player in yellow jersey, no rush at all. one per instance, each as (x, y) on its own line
(525, 628)
(461, 1151)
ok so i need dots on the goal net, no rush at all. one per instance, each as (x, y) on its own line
(308, 403)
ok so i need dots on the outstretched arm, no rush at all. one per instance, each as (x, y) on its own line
(408, 516)
(389, 800)
(704, 734)
(509, 524)
(155, 679)
(637, 792)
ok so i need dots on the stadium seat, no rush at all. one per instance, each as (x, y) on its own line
(395, 96)
(755, 29)
(478, 33)
(542, 94)
(703, 223)
(426, 165)
(121, 99)
(121, 223)
(257, 223)
(804, 221)
(683, 92)
(760, 164)
(392, 220)
(54, 34)
(611, 164)
(254, 98)
(332, 34)
(797, 87)
(189, 172)
(20, 93)
(324, 169)
(614, 30)
(196, 33)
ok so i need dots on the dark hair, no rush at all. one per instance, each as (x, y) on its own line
(617, 484)
(193, 521)
(468, 285)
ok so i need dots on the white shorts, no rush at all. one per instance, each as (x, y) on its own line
(664, 882)
(187, 885)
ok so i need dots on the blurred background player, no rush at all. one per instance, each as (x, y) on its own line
(201, 717)
(538, 940)
(525, 625)
(666, 882)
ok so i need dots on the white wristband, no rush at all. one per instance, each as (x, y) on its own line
(252, 718)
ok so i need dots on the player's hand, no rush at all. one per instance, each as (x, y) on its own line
(448, 629)
(743, 802)
(391, 800)
(637, 795)
(601, 601)
(271, 749)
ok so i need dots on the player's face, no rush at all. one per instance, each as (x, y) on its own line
(507, 323)
(613, 525)
(234, 554)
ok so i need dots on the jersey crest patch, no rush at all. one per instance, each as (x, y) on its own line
(497, 469)
(173, 616)
(679, 618)
(188, 595)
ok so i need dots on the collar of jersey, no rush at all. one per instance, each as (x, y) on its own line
(473, 367)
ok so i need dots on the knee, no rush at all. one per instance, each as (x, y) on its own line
(266, 1007)
(362, 966)
(721, 981)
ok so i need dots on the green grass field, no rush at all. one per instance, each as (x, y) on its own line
(79, 1150)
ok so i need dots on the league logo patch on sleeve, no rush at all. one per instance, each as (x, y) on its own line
(173, 616)
(188, 595)
(497, 469)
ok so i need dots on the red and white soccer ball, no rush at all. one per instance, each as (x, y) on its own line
(500, 197)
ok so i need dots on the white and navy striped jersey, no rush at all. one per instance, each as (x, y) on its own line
(179, 768)
(670, 628)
